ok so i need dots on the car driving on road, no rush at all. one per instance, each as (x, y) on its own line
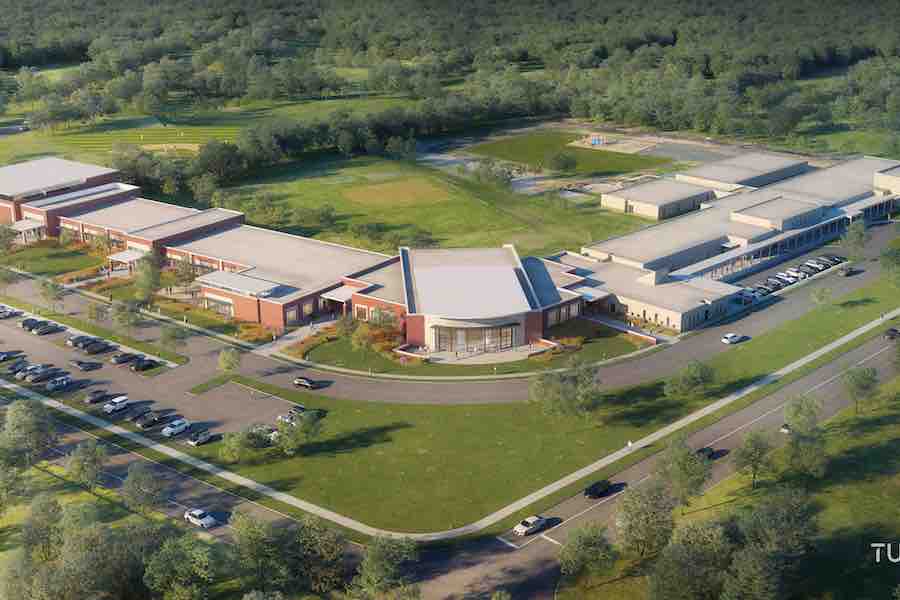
(530, 525)
(200, 518)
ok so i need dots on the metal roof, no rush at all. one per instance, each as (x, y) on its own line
(79, 196)
(128, 256)
(45, 174)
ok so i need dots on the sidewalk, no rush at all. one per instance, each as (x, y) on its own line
(488, 520)
(298, 335)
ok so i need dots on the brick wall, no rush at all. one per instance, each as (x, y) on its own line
(245, 307)
(271, 315)
(374, 303)
(415, 330)
(534, 326)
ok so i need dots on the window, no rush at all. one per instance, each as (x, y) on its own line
(291, 316)
(361, 313)
(552, 317)
(309, 308)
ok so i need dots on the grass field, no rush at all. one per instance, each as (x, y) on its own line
(536, 149)
(455, 464)
(457, 212)
(601, 343)
(49, 260)
(858, 502)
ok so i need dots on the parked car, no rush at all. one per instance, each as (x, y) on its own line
(598, 489)
(176, 427)
(45, 375)
(786, 278)
(706, 452)
(199, 437)
(58, 384)
(95, 396)
(305, 382)
(530, 525)
(785, 429)
(123, 357)
(117, 404)
(35, 326)
(10, 313)
(21, 375)
(86, 341)
(765, 289)
(28, 323)
(828, 260)
(149, 420)
(138, 414)
(9, 355)
(807, 269)
(85, 365)
(48, 329)
(17, 366)
(143, 364)
(732, 338)
(200, 518)
(98, 348)
(775, 283)
(796, 274)
(892, 334)
(72, 340)
(815, 265)
(835, 258)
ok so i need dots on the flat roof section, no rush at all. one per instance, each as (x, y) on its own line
(131, 214)
(386, 283)
(660, 192)
(72, 199)
(186, 223)
(303, 263)
(744, 167)
(45, 174)
(780, 208)
(841, 183)
(237, 282)
(471, 283)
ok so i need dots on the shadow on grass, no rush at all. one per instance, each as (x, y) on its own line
(355, 440)
(856, 303)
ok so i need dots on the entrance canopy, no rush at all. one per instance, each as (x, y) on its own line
(341, 294)
(127, 257)
(26, 225)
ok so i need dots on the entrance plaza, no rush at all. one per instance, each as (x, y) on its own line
(718, 223)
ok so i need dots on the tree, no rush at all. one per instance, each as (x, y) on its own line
(142, 490)
(182, 569)
(820, 296)
(587, 550)
(229, 361)
(382, 567)
(501, 595)
(125, 314)
(258, 595)
(568, 393)
(98, 313)
(861, 384)
(806, 444)
(147, 278)
(692, 380)
(682, 469)
(41, 529)
(292, 436)
(753, 575)
(7, 278)
(563, 161)
(259, 559)
(855, 239)
(234, 445)
(203, 187)
(644, 521)
(172, 337)
(11, 485)
(783, 524)
(184, 273)
(314, 553)
(67, 237)
(802, 414)
(890, 263)
(7, 238)
(754, 455)
(691, 567)
(51, 293)
(28, 431)
(85, 463)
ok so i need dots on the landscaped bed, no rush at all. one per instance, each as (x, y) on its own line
(48, 259)
(590, 341)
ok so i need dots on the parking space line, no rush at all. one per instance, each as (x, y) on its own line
(550, 539)
(508, 543)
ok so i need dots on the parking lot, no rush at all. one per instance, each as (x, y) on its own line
(767, 276)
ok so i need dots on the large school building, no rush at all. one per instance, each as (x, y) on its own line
(721, 221)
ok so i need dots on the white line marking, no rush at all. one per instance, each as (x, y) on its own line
(783, 404)
(508, 543)
(550, 539)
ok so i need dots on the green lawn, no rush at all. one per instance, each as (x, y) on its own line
(457, 212)
(535, 150)
(47, 259)
(601, 343)
(455, 464)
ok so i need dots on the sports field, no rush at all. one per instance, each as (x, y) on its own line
(455, 211)
(536, 149)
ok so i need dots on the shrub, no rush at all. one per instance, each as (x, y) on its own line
(80, 275)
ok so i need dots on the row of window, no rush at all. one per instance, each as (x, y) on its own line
(561, 314)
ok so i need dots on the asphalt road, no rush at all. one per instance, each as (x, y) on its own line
(528, 567)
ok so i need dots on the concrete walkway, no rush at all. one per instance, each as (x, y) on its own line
(488, 520)
(296, 336)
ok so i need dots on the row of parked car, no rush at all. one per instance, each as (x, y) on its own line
(797, 273)
(52, 378)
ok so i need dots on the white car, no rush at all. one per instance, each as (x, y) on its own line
(176, 427)
(796, 274)
(200, 518)
(530, 525)
(732, 338)
(115, 405)
(786, 278)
